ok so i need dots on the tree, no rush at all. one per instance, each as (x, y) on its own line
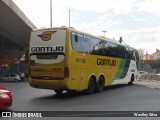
(158, 60)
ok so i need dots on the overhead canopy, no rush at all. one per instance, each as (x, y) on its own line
(15, 30)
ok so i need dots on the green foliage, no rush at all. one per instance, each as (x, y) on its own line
(158, 61)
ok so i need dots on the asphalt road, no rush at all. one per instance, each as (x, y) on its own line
(115, 98)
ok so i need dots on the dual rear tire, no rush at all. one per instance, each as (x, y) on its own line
(98, 87)
(95, 87)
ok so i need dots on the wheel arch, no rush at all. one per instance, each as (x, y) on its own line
(132, 79)
(133, 76)
(94, 77)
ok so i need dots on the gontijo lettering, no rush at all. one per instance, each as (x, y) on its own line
(47, 49)
(106, 62)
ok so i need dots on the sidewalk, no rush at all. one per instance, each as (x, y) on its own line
(148, 83)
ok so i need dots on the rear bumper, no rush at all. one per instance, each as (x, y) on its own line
(48, 84)
(5, 103)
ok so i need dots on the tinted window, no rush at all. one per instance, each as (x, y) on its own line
(103, 49)
(12, 75)
(6, 75)
(112, 49)
(86, 48)
(94, 46)
(137, 55)
(91, 45)
(132, 55)
(77, 41)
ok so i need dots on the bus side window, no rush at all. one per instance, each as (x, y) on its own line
(119, 51)
(112, 49)
(137, 55)
(103, 48)
(86, 48)
(127, 53)
(94, 42)
(76, 41)
(132, 54)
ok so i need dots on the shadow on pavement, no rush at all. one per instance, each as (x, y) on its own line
(75, 94)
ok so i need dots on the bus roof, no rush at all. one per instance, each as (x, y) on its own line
(73, 29)
(44, 28)
(100, 37)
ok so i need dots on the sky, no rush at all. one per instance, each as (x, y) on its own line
(137, 21)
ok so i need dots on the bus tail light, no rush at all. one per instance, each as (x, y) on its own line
(66, 72)
(32, 62)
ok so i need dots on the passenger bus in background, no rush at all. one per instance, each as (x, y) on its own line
(66, 59)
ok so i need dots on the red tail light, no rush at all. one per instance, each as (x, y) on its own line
(32, 62)
(66, 72)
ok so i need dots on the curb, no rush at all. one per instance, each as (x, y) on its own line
(149, 83)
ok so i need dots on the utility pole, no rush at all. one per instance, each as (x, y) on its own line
(69, 17)
(50, 13)
(104, 31)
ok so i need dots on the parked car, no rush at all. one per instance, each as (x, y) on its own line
(12, 77)
(143, 72)
(6, 98)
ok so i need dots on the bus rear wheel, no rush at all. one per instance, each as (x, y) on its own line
(58, 91)
(91, 86)
(100, 85)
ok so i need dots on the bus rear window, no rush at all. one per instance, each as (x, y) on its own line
(53, 57)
